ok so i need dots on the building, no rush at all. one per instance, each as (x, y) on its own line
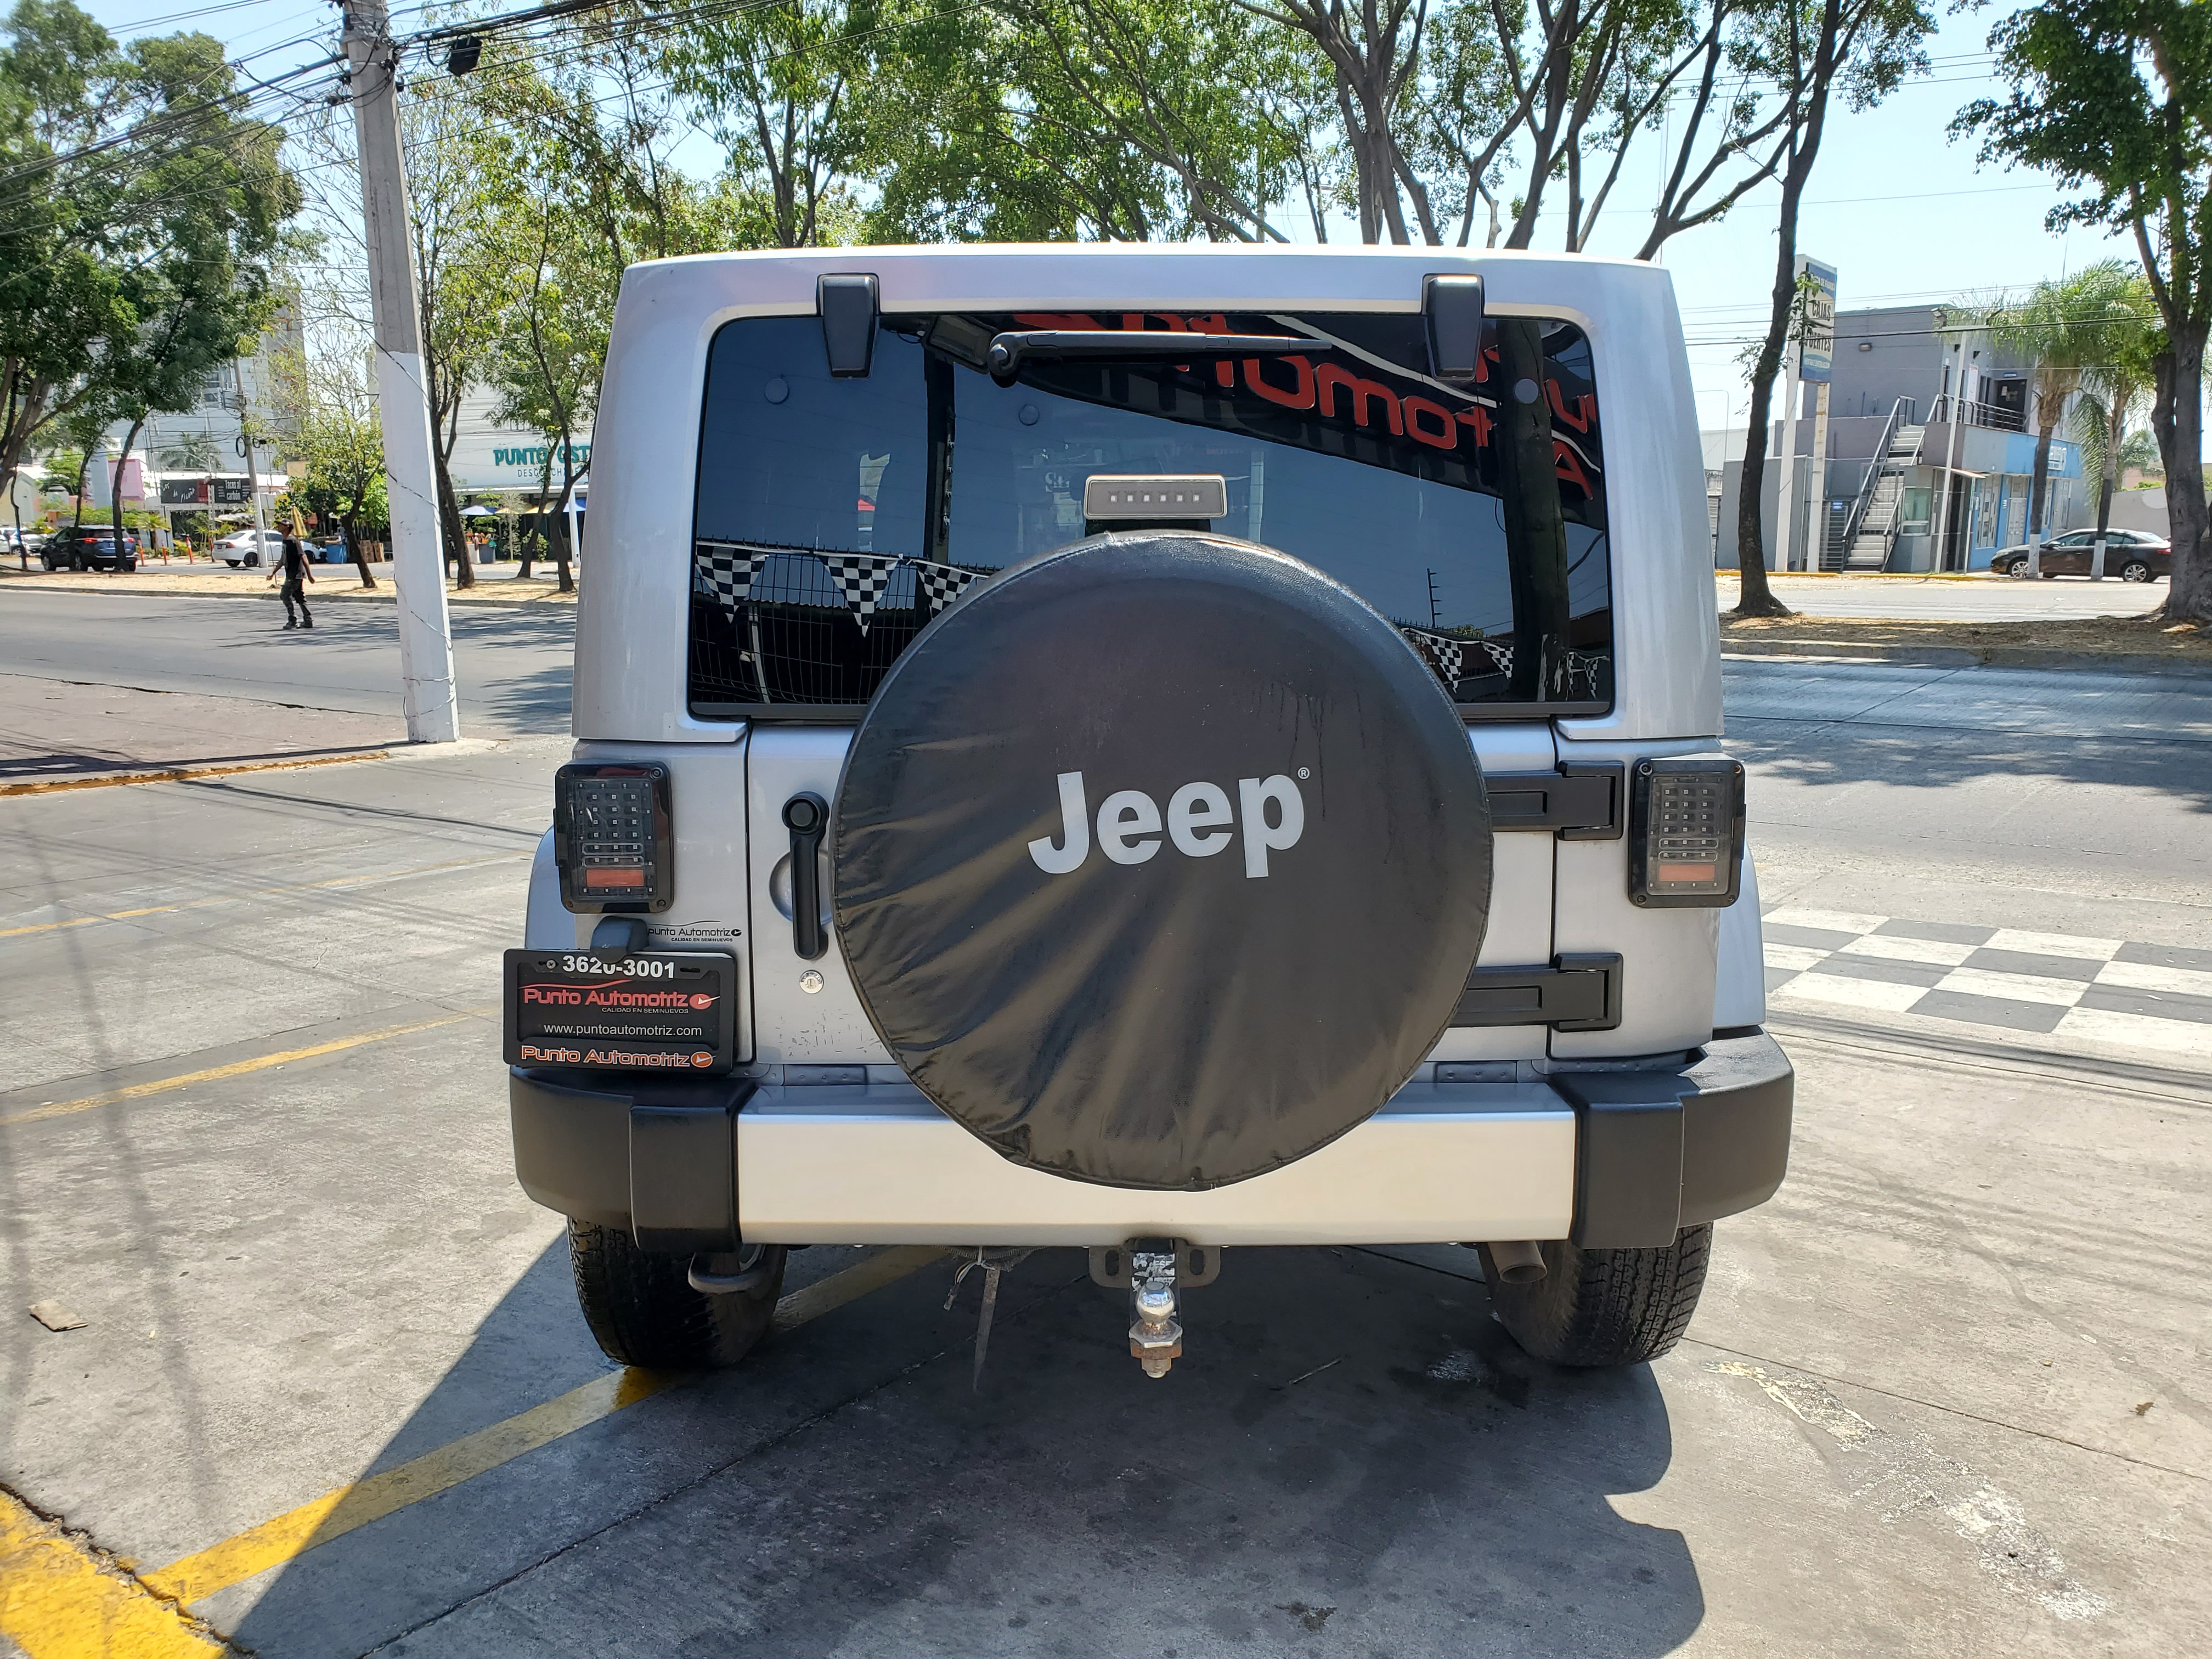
(1930, 454)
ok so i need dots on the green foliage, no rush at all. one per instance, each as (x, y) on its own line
(126, 275)
(2113, 98)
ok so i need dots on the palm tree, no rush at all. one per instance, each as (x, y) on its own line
(2115, 384)
(2067, 329)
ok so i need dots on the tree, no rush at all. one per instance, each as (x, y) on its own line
(337, 438)
(1860, 49)
(195, 452)
(2064, 328)
(2110, 98)
(131, 270)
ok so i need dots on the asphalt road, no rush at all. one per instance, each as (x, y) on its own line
(1986, 598)
(513, 666)
(1945, 1394)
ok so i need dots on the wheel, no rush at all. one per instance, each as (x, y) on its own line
(643, 1311)
(1605, 1307)
(2135, 570)
(2017, 569)
(253, 561)
(2049, 575)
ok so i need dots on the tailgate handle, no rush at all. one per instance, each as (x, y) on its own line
(806, 816)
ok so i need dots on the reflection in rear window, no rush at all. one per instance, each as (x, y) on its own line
(836, 517)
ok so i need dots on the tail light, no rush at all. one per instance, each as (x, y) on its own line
(612, 839)
(1684, 833)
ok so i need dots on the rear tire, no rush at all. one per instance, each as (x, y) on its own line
(1605, 1307)
(643, 1311)
(2135, 571)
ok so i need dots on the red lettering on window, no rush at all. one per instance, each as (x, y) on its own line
(1055, 319)
(1585, 405)
(1569, 465)
(1479, 420)
(1299, 397)
(1442, 435)
(1329, 378)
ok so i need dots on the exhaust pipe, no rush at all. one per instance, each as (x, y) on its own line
(1519, 1262)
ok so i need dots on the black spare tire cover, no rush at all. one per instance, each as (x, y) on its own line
(1160, 861)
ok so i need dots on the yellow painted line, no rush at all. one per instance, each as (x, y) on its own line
(184, 773)
(59, 1600)
(236, 1068)
(338, 1512)
(260, 892)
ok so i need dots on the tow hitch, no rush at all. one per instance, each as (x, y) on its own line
(1152, 1270)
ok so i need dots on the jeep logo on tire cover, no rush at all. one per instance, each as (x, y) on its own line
(1160, 861)
(1129, 823)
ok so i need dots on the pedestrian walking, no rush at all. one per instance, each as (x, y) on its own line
(296, 571)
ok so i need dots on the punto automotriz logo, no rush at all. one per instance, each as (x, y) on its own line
(1198, 822)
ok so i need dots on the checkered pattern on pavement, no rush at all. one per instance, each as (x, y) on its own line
(2149, 996)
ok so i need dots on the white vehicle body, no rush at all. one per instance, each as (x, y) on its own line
(1489, 1140)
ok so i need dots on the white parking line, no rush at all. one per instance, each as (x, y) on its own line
(1833, 922)
(2053, 945)
(1942, 953)
(2016, 988)
(2148, 976)
(2178, 1037)
(1876, 993)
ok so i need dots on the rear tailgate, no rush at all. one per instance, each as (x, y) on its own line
(794, 1025)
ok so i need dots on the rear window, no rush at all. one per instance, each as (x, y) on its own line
(836, 517)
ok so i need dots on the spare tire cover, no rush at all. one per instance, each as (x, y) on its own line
(1160, 861)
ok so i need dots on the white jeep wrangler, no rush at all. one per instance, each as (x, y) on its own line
(1149, 749)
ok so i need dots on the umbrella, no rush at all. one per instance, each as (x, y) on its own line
(480, 513)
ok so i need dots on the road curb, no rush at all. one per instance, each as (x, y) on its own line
(184, 773)
(1959, 656)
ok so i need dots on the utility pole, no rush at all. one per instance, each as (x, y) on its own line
(252, 466)
(1785, 501)
(426, 645)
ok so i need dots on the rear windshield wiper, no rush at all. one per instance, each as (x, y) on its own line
(1011, 350)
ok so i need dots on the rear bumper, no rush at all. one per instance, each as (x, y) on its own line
(1605, 1158)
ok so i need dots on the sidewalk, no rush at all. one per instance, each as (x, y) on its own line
(57, 734)
(334, 582)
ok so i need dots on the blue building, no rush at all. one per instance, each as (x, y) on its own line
(1930, 454)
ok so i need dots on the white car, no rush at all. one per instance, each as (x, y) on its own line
(1248, 799)
(251, 548)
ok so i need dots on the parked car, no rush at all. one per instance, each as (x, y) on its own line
(2133, 555)
(241, 549)
(1092, 845)
(89, 547)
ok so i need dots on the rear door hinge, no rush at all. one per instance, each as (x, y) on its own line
(1577, 992)
(1579, 803)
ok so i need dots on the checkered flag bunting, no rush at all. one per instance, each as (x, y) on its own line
(941, 584)
(729, 569)
(1502, 655)
(862, 578)
(1440, 651)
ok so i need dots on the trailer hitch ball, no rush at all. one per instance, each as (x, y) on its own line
(1155, 1333)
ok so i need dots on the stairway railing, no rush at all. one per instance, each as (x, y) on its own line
(1874, 472)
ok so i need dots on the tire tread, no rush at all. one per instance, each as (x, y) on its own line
(1606, 1307)
(642, 1310)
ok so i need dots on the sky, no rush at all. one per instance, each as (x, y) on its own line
(1904, 214)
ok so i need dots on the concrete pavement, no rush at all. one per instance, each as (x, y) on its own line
(1943, 1394)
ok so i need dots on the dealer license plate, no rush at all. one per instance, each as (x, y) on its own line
(645, 1010)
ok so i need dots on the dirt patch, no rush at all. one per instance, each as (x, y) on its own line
(2088, 637)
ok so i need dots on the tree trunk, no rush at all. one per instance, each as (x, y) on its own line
(360, 560)
(115, 487)
(449, 520)
(2115, 430)
(2035, 498)
(2179, 421)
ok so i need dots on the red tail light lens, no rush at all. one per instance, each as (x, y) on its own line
(612, 837)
